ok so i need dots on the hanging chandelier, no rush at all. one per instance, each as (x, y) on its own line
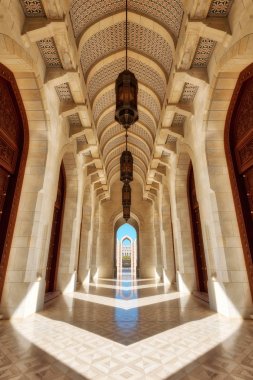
(126, 165)
(126, 89)
(126, 114)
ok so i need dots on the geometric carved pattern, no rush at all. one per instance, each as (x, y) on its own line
(144, 74)
(150, 103)
(220, 8)
(32, 8)
(115, 153)
(138, 153)
(143, 133)
(86, 12)
(243, 120)
(103, 102)
(110, 132)
(140, 144)
(105, 121)
(178, 120)
(64, 93)
(49, 52)
(113, 144)
(245, 154)
(74, 120)
(8, 155)
(148, 122)
(82, 139)
(171, 139)
(188, 93)
(203, 52)
(111, 39)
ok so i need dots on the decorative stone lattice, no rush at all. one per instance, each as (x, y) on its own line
(149, 102)
(32, 8)
(105, 122)
(144, 99)
(113, 144)
(178, 120)
(111, 39)
(148, 122)
(112, 164)
(140, 131)
(111, 132)
(74, 120)
(220, 8)
(64, 93)
(144, 74)
(82, 139)
(140, 172)
(86, 12)
(140, 144)
(139, 153)
(103, 102)
(49, 52)
(188, 93)
(203, 52)
(115, 153)
(138, 156)
(171, 139)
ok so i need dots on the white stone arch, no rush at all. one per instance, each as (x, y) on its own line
(69, 240)
(135, 223)
(26, 258)
(233, 277)
(182, 230)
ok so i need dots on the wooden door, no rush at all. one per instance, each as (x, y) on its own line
(13, 152)
(198, 245)
(55, 240)
(239, 152)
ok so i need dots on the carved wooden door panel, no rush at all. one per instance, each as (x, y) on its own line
(240, 161)
(198, 245)
(54, 246)
(11, 153)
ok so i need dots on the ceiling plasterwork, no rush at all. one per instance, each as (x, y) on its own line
(171, 139)
(143, 72)
(159, 55)
(140, 39)
(220, 8)
(178, 120)
(146, 98)
(33, 8)
(74, 120)
(203, 52)
(64, 93)
(49, 52)
(188, 93)
(84, 13)
(107, 118)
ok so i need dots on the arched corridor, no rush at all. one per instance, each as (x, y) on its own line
(126, 189)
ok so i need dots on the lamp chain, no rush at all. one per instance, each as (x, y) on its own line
(126, 35)
(126, 139)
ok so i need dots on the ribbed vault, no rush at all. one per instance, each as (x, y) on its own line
(99, 28)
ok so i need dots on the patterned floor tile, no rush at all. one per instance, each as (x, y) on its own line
(175, 338)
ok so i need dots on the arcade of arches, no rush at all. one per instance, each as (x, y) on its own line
(60, 193)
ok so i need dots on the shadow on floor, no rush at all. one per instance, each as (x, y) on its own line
(229, 360)
(21, 359)
(126, 326)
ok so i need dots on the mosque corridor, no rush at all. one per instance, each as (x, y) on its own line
(126, 329)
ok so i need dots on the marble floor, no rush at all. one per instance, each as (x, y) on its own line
(126, 329)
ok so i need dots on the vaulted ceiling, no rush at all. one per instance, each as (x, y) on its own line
(155, 29)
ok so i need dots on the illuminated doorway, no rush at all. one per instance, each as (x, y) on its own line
(126, 250)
